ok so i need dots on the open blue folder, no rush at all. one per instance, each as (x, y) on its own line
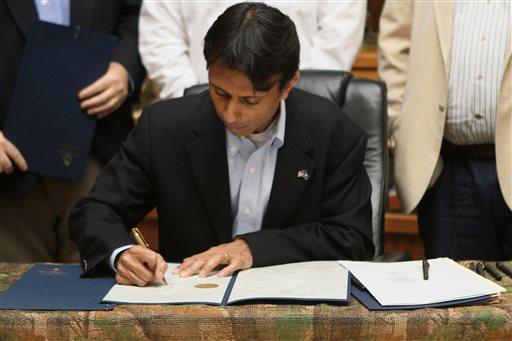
(315, 281)
(44, 119)
(57, 287)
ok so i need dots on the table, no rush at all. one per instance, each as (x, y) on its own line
(251, 321)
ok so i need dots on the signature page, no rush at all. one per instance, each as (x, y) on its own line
(194, 289)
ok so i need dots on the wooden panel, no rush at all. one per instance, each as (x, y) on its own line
(365, 65)
(401, 231)
(408, 243)
(401, 223)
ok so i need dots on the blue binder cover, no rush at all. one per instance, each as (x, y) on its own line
(371, 303)
(44, 119)
(57, 287)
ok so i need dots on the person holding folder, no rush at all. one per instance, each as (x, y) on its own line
(34, 209)
(250, 173)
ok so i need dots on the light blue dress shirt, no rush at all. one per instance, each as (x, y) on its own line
(251, 162)
(53, 11)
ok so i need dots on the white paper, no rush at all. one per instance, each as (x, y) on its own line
(402, 283)
(322, 280)
(177, 290)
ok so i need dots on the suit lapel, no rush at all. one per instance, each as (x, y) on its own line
(24, 13)
(292, 158)
(81, 12)
(444, 20)
(208, 158)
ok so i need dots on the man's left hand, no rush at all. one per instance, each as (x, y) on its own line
(106, 94)
(235, 255)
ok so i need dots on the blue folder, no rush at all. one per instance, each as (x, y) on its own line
(229, 289)
(57, 287)
(44, 119)
(367, 299)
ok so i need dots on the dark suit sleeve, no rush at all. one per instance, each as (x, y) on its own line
(126, 51)
(121, 197)
(344, 227)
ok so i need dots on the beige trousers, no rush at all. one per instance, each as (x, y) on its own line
(34, 227)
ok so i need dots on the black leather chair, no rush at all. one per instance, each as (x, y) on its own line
(365, 103)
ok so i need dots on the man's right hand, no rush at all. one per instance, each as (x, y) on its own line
(8, 154)
(140, 266)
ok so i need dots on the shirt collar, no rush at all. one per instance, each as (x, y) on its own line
(279, 137)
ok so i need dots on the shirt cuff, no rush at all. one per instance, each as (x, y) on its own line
(115, 253)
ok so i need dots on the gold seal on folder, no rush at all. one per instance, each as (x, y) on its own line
(206, 286)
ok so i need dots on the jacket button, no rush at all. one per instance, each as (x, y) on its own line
(441, 108)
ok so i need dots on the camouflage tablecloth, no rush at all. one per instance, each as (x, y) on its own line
(256, 321)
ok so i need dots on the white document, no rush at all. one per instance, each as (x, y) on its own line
(402, 283)
(311, 281)
(194, 289)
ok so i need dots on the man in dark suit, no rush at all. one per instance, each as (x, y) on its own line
(251, 173)
(34, 210)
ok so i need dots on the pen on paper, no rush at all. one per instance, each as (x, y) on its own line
(139, 238)
(425, 266)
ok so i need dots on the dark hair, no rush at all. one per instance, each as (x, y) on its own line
(257, 40)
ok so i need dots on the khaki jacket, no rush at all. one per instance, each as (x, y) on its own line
(414, 61)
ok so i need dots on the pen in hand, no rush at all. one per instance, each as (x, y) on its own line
(425, 266)
(141, 241)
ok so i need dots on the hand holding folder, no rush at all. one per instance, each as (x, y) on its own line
(107, 93)
(45, 121)
(10, 156)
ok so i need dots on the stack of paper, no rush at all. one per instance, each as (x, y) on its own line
(401, 285)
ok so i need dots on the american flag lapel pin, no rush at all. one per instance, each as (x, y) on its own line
(303, 174)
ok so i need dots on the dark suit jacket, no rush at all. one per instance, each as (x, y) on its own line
(176, 159)
(117, 17)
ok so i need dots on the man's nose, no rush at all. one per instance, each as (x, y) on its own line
(230, 112)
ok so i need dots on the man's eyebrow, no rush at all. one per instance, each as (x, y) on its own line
(244, 97)
(217, 87)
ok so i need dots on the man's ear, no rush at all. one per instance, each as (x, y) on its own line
(289, 85)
